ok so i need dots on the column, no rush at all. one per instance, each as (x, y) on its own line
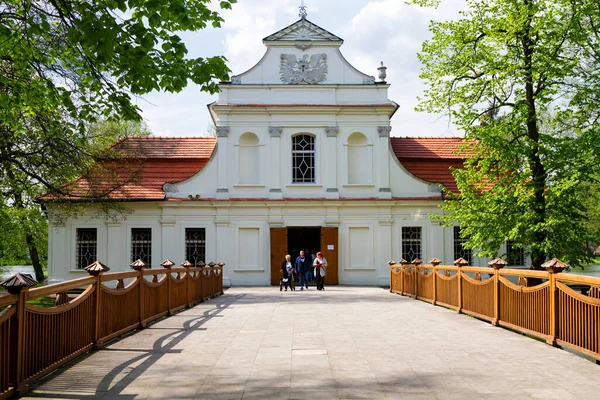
(223, 164)
(329, 162)
(275, 162)
(383, 159)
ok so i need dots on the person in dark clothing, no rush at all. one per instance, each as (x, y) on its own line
(287, 274)
(302, 268)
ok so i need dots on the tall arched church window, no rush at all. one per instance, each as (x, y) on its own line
(360, 163)
(249, 159)
(303, 159)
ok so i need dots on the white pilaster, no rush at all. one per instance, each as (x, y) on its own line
(329, 162)
(383, 160)
(436, 245)
(223, 164)
(275, 162)
(224, 242)
(116, 259)
(169, 250)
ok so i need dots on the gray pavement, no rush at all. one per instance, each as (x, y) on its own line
(344, 343)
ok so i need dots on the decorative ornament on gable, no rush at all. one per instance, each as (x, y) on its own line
(302, 10)
(309, 69)
(382, 73)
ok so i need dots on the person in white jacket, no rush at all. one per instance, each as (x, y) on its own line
(320, 271)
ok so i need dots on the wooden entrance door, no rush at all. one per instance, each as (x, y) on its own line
(329, 237)
(278, 252)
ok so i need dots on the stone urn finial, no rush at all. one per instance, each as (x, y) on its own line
(382, 72)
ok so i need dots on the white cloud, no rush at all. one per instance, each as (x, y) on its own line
(392, 31)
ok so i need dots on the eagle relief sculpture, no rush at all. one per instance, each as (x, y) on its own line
(306, 70)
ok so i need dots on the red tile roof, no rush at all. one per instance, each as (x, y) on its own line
(430, 159)
(148, 164)
(166, 148)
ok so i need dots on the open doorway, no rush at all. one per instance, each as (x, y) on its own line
(307, 239)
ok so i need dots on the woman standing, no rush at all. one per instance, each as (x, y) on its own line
(320, 265)
(287, 274)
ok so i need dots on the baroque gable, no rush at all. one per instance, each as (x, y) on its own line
(303, 30)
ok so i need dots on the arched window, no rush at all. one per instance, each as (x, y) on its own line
(249, 157)
(360, 161)
(303, 159)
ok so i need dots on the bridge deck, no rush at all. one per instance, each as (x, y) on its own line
(345, 342)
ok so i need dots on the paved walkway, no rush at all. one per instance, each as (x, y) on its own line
(345, 342)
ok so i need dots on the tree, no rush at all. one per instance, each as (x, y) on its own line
(65, 64)
(520, 78)
(37, 160)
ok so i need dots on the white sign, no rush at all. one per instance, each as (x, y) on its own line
(330, 247)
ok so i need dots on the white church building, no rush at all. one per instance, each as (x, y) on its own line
(303, 158)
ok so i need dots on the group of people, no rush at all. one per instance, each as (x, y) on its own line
(301, 270)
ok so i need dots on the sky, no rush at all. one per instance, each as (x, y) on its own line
(373, 31)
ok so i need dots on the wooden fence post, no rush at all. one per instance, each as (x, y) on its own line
(416, 262)
(186, 264)
(139, 266)
(553, 267)
(96, 269)
(435, 262)
(496, 264)
(15, 285)
(220, 280)
(403, 263)
(390, 263)
(168, 264)
(460, 262)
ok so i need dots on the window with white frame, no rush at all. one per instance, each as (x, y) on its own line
(411, 242)
(459, 249)
(86, 247)
(303, 159)
(195, 245)
(141, 245)
(514, 255)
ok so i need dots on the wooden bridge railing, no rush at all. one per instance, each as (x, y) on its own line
(550, 307)
(35, 340)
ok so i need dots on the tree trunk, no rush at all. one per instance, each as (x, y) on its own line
(35, 259)
(538, 172)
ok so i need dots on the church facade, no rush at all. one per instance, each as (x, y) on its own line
(303, 158)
